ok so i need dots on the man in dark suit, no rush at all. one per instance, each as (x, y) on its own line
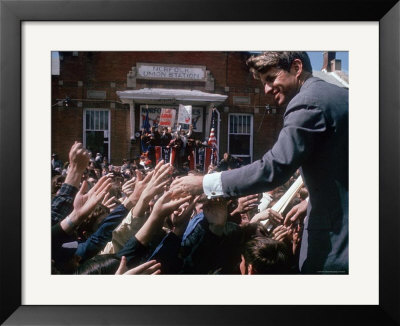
(314, 138)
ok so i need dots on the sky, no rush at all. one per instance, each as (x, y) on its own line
(315, 57)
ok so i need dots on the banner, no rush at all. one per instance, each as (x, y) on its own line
(167, 117)
(185, 114)
(154, 112)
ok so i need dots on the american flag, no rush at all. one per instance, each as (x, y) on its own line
(211, 156)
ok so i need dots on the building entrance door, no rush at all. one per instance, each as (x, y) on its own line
(96, 131)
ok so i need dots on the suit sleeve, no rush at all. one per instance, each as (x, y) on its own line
(303, 131)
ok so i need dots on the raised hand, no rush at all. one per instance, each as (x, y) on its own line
(296, 214)
(181, 217)
(158, 181)
(129, 186)
(274, 217)
(150, 267)
(78, 157)
(164, 206)
(168, 203)
(140, 185)
(109, 202)
(83, 195)
(89, 201)
(86, 203)
(78, 162)
(282, 233)
(246, 204)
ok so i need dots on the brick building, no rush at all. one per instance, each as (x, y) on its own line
(100, 99)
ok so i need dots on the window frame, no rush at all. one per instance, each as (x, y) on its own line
(241, 133)
(85, 110)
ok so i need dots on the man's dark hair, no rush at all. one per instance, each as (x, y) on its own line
(277, 59)
(267, 256)
(100, 264)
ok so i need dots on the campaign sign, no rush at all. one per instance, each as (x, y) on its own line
(185, 114)
(167, 117)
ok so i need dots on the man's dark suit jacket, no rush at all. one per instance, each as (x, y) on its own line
(314, 138)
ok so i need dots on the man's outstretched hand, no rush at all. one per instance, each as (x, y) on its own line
(190, 184)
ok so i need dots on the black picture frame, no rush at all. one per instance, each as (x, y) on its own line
(13, 12)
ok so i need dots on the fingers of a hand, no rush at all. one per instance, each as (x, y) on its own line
(295, 217)
(148, 177)
(162, 185)
(163, 172)
(111, 200)
(152, 269)
(158, 271)
(100, 193)
(75, 147)
(141, 268)
(292, 212)
(182, 200)
(122, 266)
(105, 184)
(106, 198)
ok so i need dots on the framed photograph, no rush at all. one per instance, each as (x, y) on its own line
(30, 31)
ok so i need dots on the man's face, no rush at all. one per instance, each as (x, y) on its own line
(280, 85)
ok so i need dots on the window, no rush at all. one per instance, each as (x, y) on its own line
(240, 136)
(96, 131)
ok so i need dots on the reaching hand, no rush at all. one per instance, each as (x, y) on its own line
(168, 203)
(159, 180)
(109, 202)
(83, 195)
(282, 233)
(150, 267)
(78, 157)
(245, 204)
(274, 217)
(129, 186)
(296, 214)
(87, 202)
(181, 217)
(140, 185)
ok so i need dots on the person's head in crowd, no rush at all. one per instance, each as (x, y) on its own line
(115, 190)
(92, 174)
(85, 175)
(100, 264)
(56, 183)
(263, 255)
(282, 74)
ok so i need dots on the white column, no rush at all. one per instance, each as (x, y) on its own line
(132, 119)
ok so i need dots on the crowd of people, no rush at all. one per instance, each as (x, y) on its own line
(164, 215)
(109, 219)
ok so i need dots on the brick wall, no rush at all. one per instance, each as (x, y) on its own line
(107, 71)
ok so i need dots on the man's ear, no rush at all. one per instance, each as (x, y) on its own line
(250, 269)
(297, 67)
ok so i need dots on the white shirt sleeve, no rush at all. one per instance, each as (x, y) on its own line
(212, 185)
